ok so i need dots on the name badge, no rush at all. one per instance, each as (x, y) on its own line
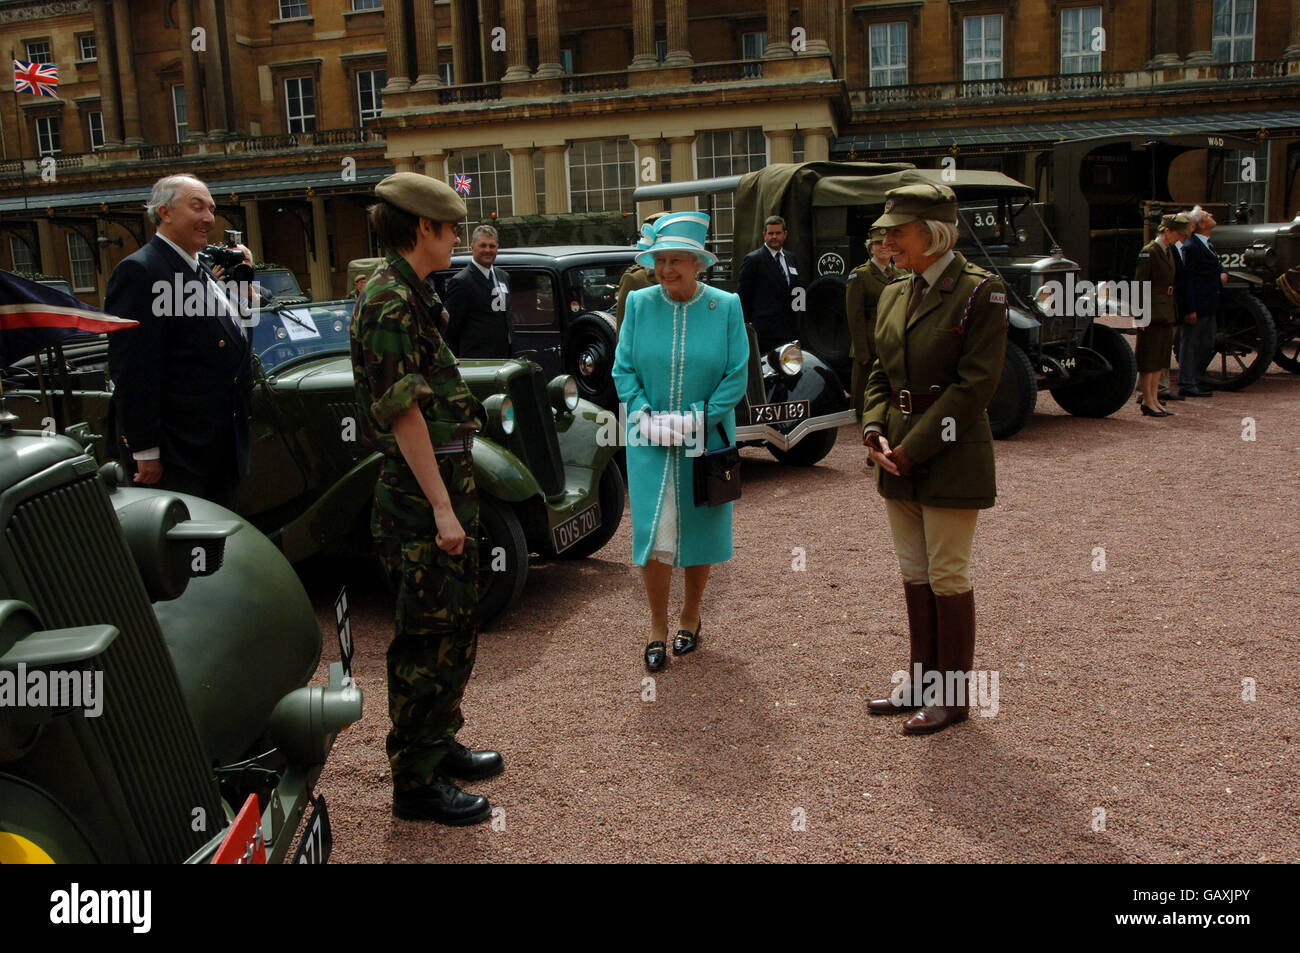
(793, 270)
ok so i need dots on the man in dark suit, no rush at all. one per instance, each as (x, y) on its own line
(183, 378)
(1205, 276)
(768, 277)
(478, 300)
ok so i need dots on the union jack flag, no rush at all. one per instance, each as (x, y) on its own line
(463, 183)
(41, 79)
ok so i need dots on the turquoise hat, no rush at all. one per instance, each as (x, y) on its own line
(677, 231)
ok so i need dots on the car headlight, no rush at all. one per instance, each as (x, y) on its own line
(790, 358)
(500, 412)
(563, 394)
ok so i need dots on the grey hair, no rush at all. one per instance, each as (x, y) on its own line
(487, 230)
(943, 236)
(164, 193)
(1195, 215)
(774, 220)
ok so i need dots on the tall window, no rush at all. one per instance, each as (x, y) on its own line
(82, 263)
(490, 190)
(22, 254)
(48, 142)
(566, 61)
(447, 71)
(602, 175)
(1247, 182)
(38, 51)
(1234, 31)
(95, 121)
(721, 152)
(300, 103)
(1078, 26)
(180, 115)
(292, 9)
(888, 48)
(86, 46)
(369, 83)
(661, 50)
(752, 46)
(982, 57)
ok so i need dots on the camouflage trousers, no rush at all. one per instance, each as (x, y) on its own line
(432, 652)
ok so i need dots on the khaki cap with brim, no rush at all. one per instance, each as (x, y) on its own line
(361, 268)
(877, 236)
(423, 196)
(925, 200)
(1176, 222)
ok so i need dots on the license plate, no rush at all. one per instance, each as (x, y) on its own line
(317, 841)
(576, 527)
(779, 413)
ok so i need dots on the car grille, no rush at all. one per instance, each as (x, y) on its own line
(535, 429)
(144, 731)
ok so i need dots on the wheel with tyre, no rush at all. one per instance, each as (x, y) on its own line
(1096, 395)
(613, 496)
(502, 558)
(1244, 342)
(1287, 355)
(589, 357)
(809, 450)
(1016, 395)
(824, 325)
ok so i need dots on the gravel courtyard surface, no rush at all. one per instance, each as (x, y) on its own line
(1120, 689)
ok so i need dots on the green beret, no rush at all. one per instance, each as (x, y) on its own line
(1176, 223)
(422, 196)
(911, 202)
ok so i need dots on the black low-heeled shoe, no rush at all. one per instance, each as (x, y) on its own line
(656, 656)
(1148, 412)
(685, 641)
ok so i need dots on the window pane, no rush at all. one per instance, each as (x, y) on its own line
(80, 262)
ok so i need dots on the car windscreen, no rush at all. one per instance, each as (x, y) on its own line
(594, 287)
(279, 283)
(290, 333)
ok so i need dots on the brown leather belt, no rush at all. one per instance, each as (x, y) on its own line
(910, 403)
(1166, 291)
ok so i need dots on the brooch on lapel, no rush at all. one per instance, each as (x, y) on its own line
(946, 284)
(713, 306)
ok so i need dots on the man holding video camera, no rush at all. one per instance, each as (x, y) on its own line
(182, 378)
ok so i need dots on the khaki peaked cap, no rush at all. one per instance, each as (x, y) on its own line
(423, 196)
(925, 200)
(1176, 222)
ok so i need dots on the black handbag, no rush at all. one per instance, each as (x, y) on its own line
(717, 474)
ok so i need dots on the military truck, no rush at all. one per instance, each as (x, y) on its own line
(1089, 368)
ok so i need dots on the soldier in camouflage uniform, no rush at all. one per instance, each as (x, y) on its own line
(419, 413)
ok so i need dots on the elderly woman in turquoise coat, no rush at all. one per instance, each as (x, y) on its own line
(680, 369)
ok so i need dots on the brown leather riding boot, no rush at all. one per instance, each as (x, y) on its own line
(956, 624)
(923, 636)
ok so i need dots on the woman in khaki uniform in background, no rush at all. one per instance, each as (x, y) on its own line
(1157, 264)
(940, 341)
(861, 293)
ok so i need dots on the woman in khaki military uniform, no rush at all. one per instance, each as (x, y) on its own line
(861, 294)
(1155, 341)
(940, 342)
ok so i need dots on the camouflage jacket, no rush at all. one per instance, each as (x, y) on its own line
(399, 358)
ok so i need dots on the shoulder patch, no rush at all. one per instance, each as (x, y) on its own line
(997, 297)
(1144, 254)
(852, 275)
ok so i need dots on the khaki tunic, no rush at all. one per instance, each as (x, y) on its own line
(950, 441)
(861, 292)
(1155, 342)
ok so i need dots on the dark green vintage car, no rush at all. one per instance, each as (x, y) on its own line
(546, 485)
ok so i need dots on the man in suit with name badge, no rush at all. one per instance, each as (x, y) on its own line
(768, 277)
(182, 378)
(1206, 277)
(478, 300)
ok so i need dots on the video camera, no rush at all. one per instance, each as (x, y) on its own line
(229, 257)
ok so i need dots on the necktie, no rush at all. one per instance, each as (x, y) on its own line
(780, 260)
(918, 292)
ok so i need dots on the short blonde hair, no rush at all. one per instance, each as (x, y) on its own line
(943, 236)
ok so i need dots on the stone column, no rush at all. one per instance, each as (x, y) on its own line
(45, 246)
(647, 149)
(426, 47)
(190, 70)
(816, 144)
(319, 264)
(516, 41)
(403, 163)
(683, 169)
(780, 144)
(778, 30)
(126, 72)
(1164, 34)
(548, 42)
(1202, 33)
(108, 102)
(398, 67)
(557, 179)
(215, 71)
(643, 35)
(459, 44)
(522, 187)
(1292, 51)
(679, 53)
(435, 165)
(816, 21)
(252, 226)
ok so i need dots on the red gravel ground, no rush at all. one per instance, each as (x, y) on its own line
(1120, 689)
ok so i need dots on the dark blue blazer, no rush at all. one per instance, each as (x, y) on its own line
(764, 295)
(476, 328)
(182, 382)
(1202, 268)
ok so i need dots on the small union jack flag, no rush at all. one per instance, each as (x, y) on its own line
(41, 79)
(463, 183)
